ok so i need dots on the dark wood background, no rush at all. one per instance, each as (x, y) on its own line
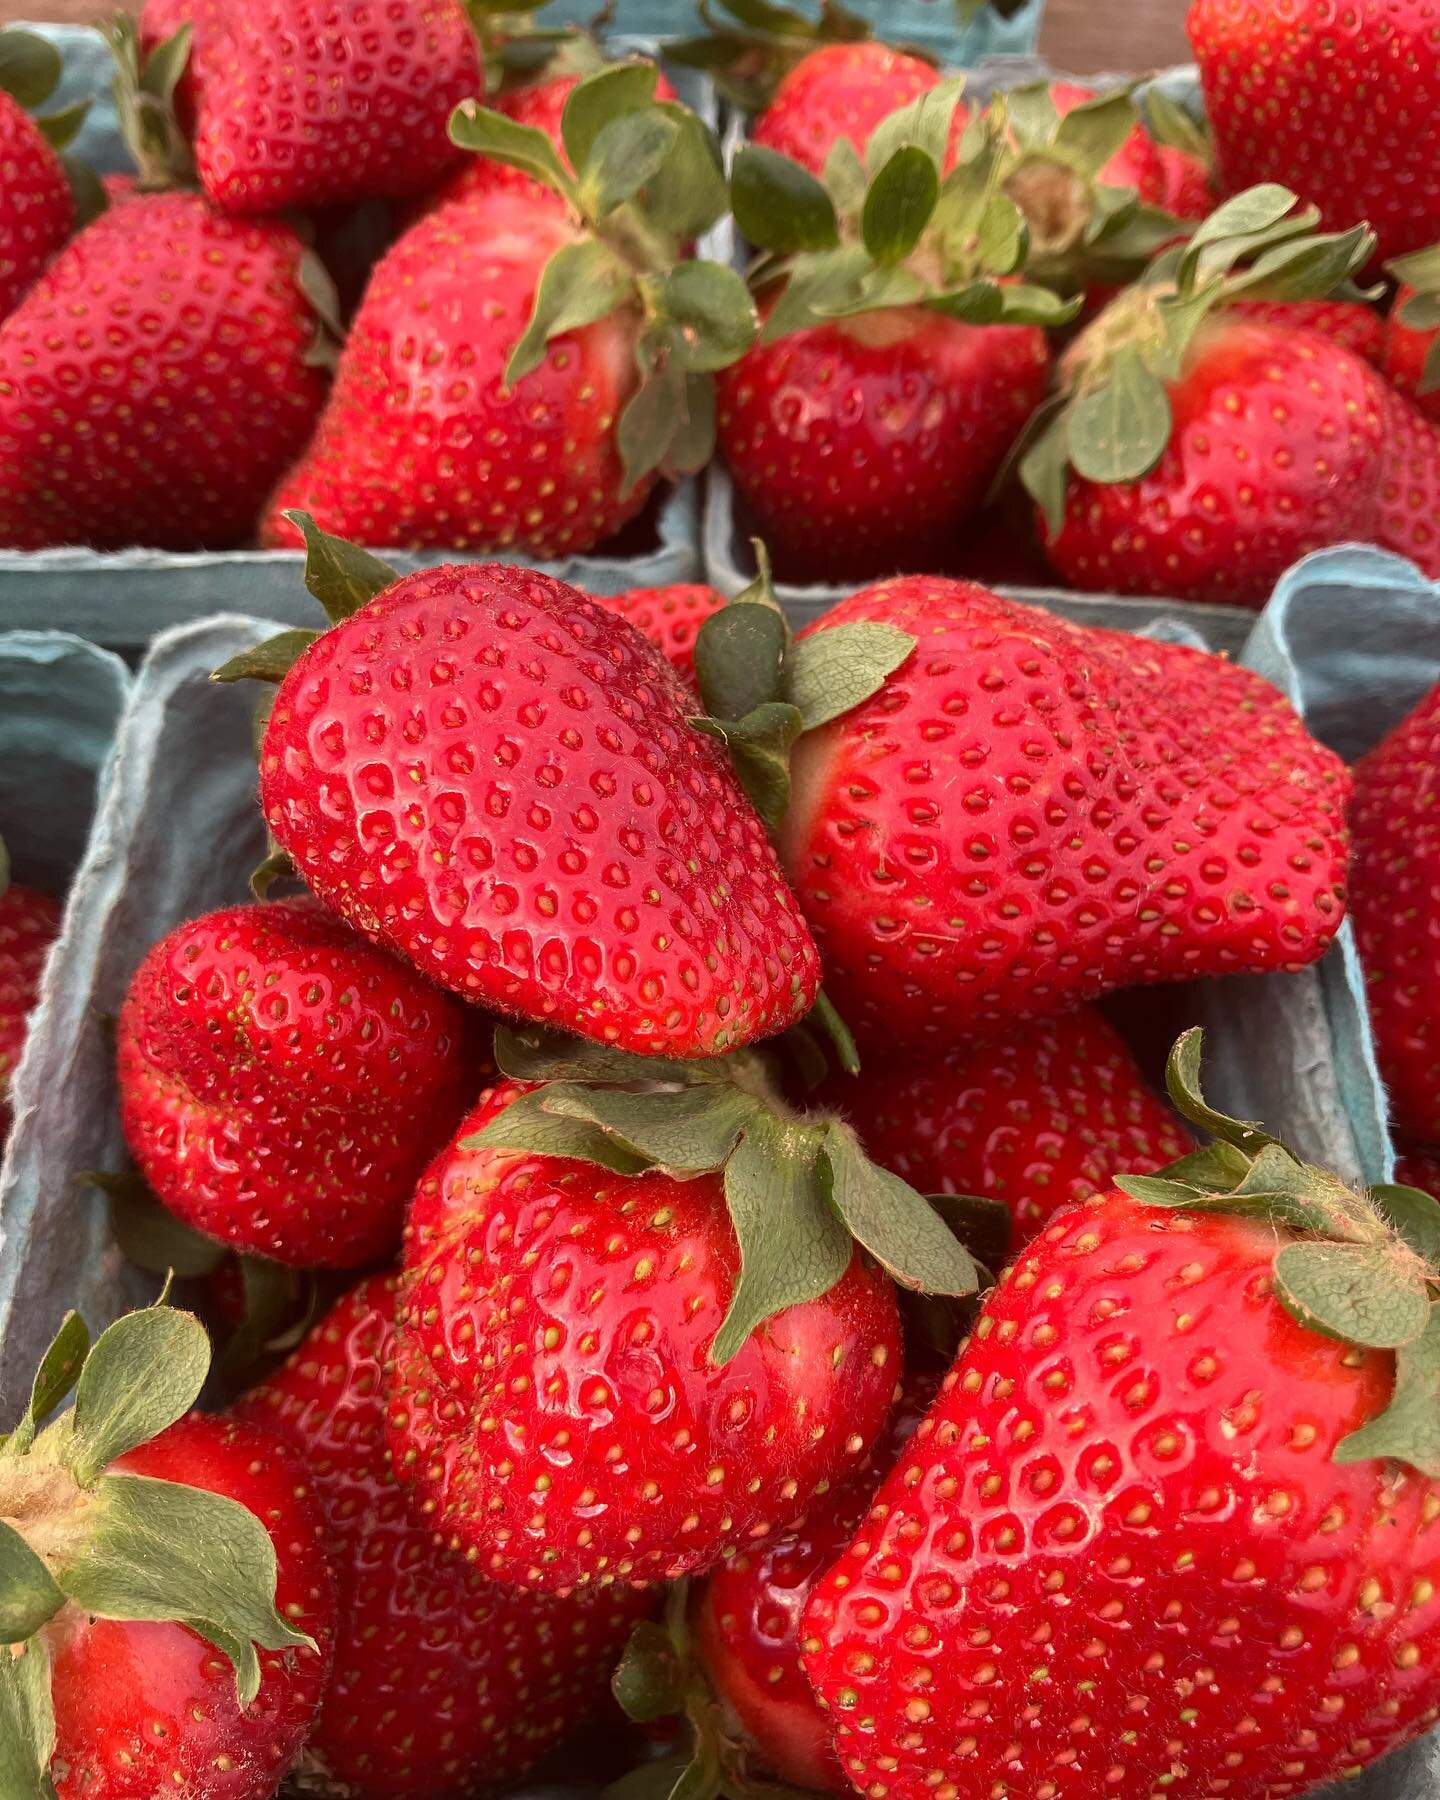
(1079, 34)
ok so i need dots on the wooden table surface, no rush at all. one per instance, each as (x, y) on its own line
(1078, 34)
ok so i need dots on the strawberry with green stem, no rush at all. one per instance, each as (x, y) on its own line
(519, 377)
(1412, 329)
(29, 925)
(37, 205)
(1172, 1524)
(168, 1607)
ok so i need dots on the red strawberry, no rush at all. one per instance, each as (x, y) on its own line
(155, 381)
(37, 209)
(840, 91)
(1040, 1119)
(304, 104)
(670, 617)
(1187, 189)
(29, 924)
(282, 1083)
(1394, 886)
(443, 1681)
(1419, 1167)
(1411, 334)
(1139, 163)
(1156, 1535)
(495, 776)
(1349, 323)
(1032, 812)
(1410, 496)
(174, 1602)
(564, 1319)
(1303, 94)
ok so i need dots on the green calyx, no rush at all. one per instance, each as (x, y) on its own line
(518, 51)
(1111, 420)
(749, 46)
(891, 228)
(144, 89)
(30, 71)
(1421, 311)
(1363, 1268)
(76, 1533)
(645, 177)
(801, 1192)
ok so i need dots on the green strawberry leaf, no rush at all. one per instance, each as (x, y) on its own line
(1091, 133)
(1032, 114)
(524, 147)
(1306, 270)
(30, 67)
(649, 1683)
(692, 445)
(820, 285)
(985, 1227)
(54, 1381)
(1182, 1083)
(685, 1133)
(60, 129)
(271, 660)
(830, 673)
(652, 1780)
(649, 422)
(689, 193)
(1002, 237)
(842, 1040)
(899, 1227)
(1409, 1428)
(28, 1593)
(627, 153)
(581, 282)
(924, 123)
(760, 746)
(526, 1126)
(793, 1247)
(710, 310)
(340, 575)
(1415, 1215)
(531, 1053)
(27, 1724)
(1253, 221)
(899, 204)
(844, 179)
(274, 1297)
(1044, 469)
(740, 653)
(779, 205)
(279, 865)
(143, 1374)
(1275, 1208)
(1118, 429)
(1173, 125)
(1361, 1293)
(612, 92)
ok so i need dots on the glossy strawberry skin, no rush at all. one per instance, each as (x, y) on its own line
(422, 444)
(305, 103)
(1397, 920)
(670, 617)
(839, 90)
(864, 447)
(1418, 1166)
(444, 1683)
(1351, 324)
(145, 1709)
(567, 1316)
(1312, 96)
(37, 209)
(1041, 1119)
(282, 1082)
(1406, 350)
(1031, 813)
(1410, 497)
(29, 924)
(1277, 448)
(153, 383)
(1187, 190)
(1117, 1555)
(494, 775)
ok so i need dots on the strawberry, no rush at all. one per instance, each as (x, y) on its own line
(841, 92)
(969, 855)
(1408, 348)
(669, 616)
(1038, 1120)
(204, 317)
(1186, 190)
(1351, 324)
(167, 1594)
(1340, 106)
(29, 924)
(568, 847)
(299, 104)
(519, 376)
(1418, 1167)
(1164, 1530)
(443, 1681)
(1393, 888)
(37, 208)
(282, 1083)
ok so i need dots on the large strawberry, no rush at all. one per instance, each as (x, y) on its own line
(29, 924)
(443, 1682)
(167, 1601)
(839, 93)
(1394, 888)
(670, 616)
(283, 1082)
(1340, 104)
(1031, 812)
(519, 376)
(635, 1294)
(37, 208)
(495, 776)
(1171, 1527)
(1038, 1120)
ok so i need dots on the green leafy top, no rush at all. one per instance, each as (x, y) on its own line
(518, 51)
(644, 177)
(800, 1190)
(1364, 1268)
(76, 1532)
(891, 228)
(749, 53)
(1421, 310)
(1111, 420)
(144, 89)
(30, 71)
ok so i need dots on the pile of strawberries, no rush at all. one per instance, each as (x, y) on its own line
(699, 1272)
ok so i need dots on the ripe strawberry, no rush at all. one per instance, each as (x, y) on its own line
(1418, 1167)
(1187, 189)
(29, 924)
(37, 209)
(1139, 163)
(1397, 924)
(840, 91)
(1407, 351)
(1410, 496)
(443, 1681)
(1351, 324)
(1300, 93)
(165, 1583)
(569, 1318)
(1040, 1119)
(154, 381)
(1159, 1534)
(547, 834)
(299, 104)
(968, 854)
(670, 617)
(282, 1083)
